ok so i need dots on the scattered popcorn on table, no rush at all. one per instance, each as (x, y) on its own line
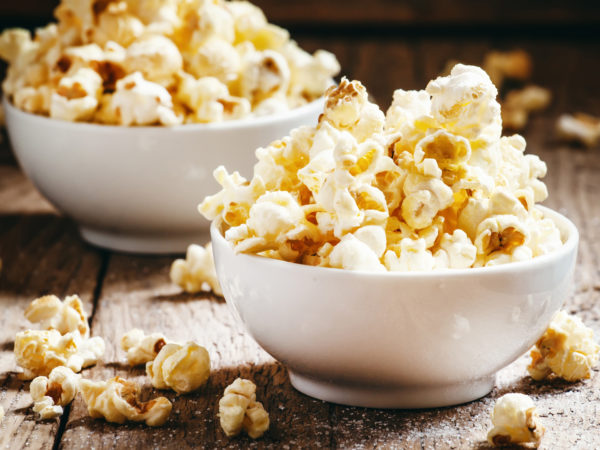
(579, 127)
(520, 102)
(117, 400)
(515, 421)
(160, 63)
(238, 409)
(195, 270)
(430, 185)
(52, 393)
(567, 349)
(40, 351)
(183, 368)
(514, 64)
(64, 316)
(141, 348)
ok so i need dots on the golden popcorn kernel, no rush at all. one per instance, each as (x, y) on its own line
(446, 152)
(236, 214)
(363, 163)
(505, 241)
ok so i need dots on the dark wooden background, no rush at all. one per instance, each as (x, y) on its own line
(387, 44)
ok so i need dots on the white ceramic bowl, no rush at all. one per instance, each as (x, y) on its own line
(137, 188)
(396, 340)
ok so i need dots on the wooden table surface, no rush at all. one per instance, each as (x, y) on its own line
(43, 253)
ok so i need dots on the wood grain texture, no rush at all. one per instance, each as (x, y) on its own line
(135, 291)
(41, 254)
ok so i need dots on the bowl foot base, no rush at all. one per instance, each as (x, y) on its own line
(405, 397)
(156, 243)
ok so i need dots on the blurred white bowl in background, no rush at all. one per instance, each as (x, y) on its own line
(136, 189)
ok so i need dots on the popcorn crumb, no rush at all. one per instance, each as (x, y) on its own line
(515, 421)
(183, 368)
(117, 400)
(64, 316)
(432, 184)
(579, 127)
(238, 409)
(195, 270)
(40, 351)
(566, 349)
(141, 348)
(51, 393)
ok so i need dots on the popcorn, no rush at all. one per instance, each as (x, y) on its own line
(579, 127)
(64, 316)
(51, 393)
(165, 47)
(195, 270)
(140, 102)
(567, 349)
(238, 409)
(515, 421)
(141, 348)
(117, 400)
(40, 351)
(181, 368)
(519, 103)
(515, 64)
(430, 185)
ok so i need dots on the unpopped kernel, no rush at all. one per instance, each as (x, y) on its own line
(117, 400)
(515, 421)
(51, 393)
(160, 63)
(183, 368)
(238, 409)
(430, 185)
(566, 349)
(196, 270)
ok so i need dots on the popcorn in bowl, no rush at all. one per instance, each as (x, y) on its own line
(157, 63)
(429, 185)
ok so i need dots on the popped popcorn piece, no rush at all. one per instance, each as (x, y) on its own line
(430, 185)
(169, 43)
(515, 421)
(117, 400)
(520, 102)
(141, 348)
(579, 127)
(137, 101)
(40, 351)
(64, 316)
(195, 270)
(181, 368)
(515, 64)
(566, 349)
(51, 393)
(238, 409)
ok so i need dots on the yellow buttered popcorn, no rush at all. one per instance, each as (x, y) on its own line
(39, 351)
(117, 400)
(51, 393)
(183, 368)
(64, 316)
(170, 54)
(238, 409)
(567, 349)
(195, 270)
(515, 421)
(142, 348)
(432, 184)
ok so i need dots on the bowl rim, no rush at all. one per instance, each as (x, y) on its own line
(570, 245)
(237, 124)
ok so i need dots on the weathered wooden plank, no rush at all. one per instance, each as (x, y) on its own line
(137, 293)
(41, 254)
